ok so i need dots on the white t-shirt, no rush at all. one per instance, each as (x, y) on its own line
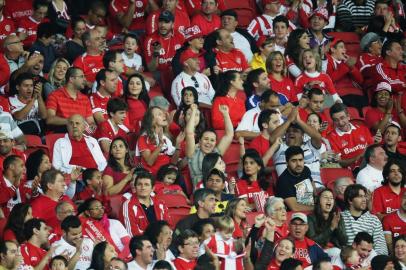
(85, 257)
(241, 43)
(133, 265)
(117, 232)
(249, 121)
(16, 105)
(134, 62)
(370, 177)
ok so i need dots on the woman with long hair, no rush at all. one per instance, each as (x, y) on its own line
(56, 76)
(326, 226)
(280, 82)
(137, 98)
(102, 254)
(297, 42)
(14, 229)
(37, 163)
(230, 84)
(237, 209)
(119, 171)
(74, 47)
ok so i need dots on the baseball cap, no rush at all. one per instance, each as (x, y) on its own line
(186, 55)
(334, 42)
(4, 134)
(192, 32)
(229, 12)
(300, 216)
(166, 16)
(159, 101)
(368, 39)
(383, 86)
(320, 12)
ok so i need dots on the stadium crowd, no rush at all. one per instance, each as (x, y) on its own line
(202, 134)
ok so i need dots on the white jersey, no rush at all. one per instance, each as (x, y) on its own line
(66, 249)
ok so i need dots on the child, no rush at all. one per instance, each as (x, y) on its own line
(310, 63)
(58, 263)
(350, 258)
(222, 244)
(131, 58)
(168, 181)
(205, 230)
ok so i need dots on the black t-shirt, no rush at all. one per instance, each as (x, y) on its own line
(297, 186)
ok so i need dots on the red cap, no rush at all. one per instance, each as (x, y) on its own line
(321, 12)
(334, 42)
(186, 55)
(192, 33)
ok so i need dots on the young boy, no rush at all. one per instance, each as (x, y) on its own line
(350, 258)
(130, 56)
(113, 127)
(58, 263)
(93, 185)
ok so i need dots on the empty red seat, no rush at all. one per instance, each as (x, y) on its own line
(329, 175)
(50, 140)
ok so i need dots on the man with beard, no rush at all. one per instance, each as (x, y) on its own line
(142, 252)
(394, 224)
(76, 248)
(391, 139)
(10, 257)
(358, 219)
(295, 185)
(386, 199)
(68, 100)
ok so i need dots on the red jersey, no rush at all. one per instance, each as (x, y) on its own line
(394, 224)
(32, 255)
(90, 64)
(105, 131)
(99, 104)
(43, 207)
(232, 60)
(6, 27)
(169, 45)
(194, 6)
(81, 155)
(65, 106)
(29, 25)
(14, 151)
(383, 72)
(225, 248)
(4, 73)
(184, 264)
(236, 108)
(205, 25)
(10, 195)
(262, 145)
(375, 115)
(302, 251)
(367, 60)
(350, 144)
(121, 7)
(306, 77)
(160, 189)
(18, 9)
(136, 111)
(385, 201)
(246, 190)
(180, 24)
(285, 89)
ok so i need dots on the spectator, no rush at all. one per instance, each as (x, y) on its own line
(14, 229)
(12, 59)
(306, 251)
(317, 21)
(391, 143)
(207, 142)
(36, 232)
(37, 163)
(226, 96)
(53, 185)
(56, 76)
(350, 258)
(191, 77)
(256, 83)
(371, 175)
(142, 252)
(295, 185)
(160, 235)
(266, 46)
(298, 41)
(394, 224)
(354, 14)
(280, 82)
(63, 209)
(371, 46)
(27, 27)
(357, 218)
(59, 15)
(207, 19)
(44, 44)
(243, 41)
(102, 255)
(7, 24)
(326, 227)
(237, 209)
(92, 179)
(363, 245)
(142, 209)
(205, 203)
(28, 106)
(75, 47)
(113, 60)
(340, 184)
(78, 248)
(136, 96)
(58, 263)
(399, 246)
(67, 101)
(10, 258)
(130, 54)
(281, 30)
(118, 263)
(308, 8)
(216, 181)
(180, 18)
(291, 263)
(323, 264)
(294, 136)
(114, 127)
(13, 190)
(8, 144)
(349, 140)
(188, 246)
(315, 104)
(76, 150)
(168, 181)
(106, 81)
(91, 61)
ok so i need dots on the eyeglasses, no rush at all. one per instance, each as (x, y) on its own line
(195, 81)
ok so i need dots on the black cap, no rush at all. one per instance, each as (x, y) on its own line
(229, 12)
(166, 16)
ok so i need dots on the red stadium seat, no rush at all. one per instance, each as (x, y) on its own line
(232, 159)
(173, 200)
(116, 202)
(354, 113)
(351, 40)
(246, 10)
(33, 144)
(177, 214)
(329, 175)
(50, 140)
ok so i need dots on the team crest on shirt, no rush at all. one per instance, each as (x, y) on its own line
(344, 143)
(139, 4)
(85, 248)
(7, 27)
(238, 60)
(362, 138)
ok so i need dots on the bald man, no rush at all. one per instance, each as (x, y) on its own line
(77, 150)
(340, 184)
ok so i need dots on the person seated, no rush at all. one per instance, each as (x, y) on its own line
(207, 19)
(142, 209)
(59, 262)
(354, 15)
(14, 228)
(391, 143)
(371, 46)
(44, 44)
(53, 185)
(92, 179)
(9, 258)
(168, 181)
(188, 247)
(266, 46)
(142, 253)
(76, 150)
(8, 147)
(114, 127)
(317, 21)
(255, 85)
(340, 184)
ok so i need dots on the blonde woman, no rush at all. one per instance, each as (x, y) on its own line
(56, 76)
